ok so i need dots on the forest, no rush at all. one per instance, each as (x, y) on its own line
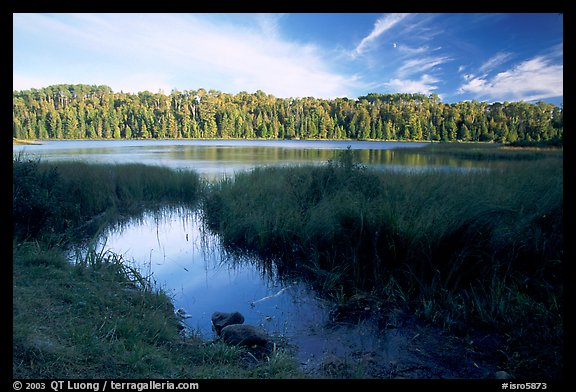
(79, 111)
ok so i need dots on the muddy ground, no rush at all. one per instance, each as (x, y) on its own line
(401, 347)
(364, 340)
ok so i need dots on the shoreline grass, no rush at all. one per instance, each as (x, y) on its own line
(475, 250)
(22, 141)
(60, 197)
(98, 317)
(93, 319)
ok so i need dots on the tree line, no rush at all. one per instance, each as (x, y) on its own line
(81, 111)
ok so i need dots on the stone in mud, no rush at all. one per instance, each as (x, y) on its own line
(243, 335)
(221, 320)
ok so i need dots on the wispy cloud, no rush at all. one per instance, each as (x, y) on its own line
(416, 67)
(495, 61)
(382, 25)
(211, 54)
(408, 50)
(269, 24)
(421, 64)
(531, 80)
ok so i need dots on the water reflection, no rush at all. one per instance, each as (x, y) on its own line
(190, 264)
(216, 158)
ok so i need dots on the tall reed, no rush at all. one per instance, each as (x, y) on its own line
(483, 247)
(53, 197)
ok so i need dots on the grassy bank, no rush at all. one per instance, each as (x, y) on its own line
(93, 319)
(59, 198)
(466, 251)
(98, 317)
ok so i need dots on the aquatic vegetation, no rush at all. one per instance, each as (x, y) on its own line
(481, 249)
(475, 249)
(50, 198)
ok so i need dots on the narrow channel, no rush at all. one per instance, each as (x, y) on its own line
(189, 263)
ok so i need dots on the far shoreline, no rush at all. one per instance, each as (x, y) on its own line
(21, 141)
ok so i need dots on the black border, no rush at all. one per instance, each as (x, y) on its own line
(484, 6)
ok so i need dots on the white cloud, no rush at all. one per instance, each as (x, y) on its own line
(531, 80)
(269, 24)
(408, 50)
(185, 51)
(382, 25)
(425, 85)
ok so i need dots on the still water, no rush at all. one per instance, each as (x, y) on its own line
(216, 158)
(189, 263)
(191, 266)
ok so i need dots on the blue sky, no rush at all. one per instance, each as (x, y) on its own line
(486, 57)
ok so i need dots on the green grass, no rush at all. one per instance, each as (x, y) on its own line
(53, 198)
(93, 319)
(480, 249)
(98, 317)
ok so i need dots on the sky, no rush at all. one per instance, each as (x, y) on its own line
(491, 57)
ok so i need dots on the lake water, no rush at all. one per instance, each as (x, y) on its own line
(189, 263)
(216, 158)
(191, 266)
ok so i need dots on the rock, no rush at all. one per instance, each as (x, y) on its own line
(243, 335)
(221, 320)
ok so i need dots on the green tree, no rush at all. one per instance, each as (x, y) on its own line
(70, 123)
(144, 134)
(79, 111)
(451, 130)
(415, 128)
(361, 120)
(464, 133)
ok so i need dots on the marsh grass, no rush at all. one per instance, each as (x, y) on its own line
(93, 319)
(57, 197)
(466, 250)
(92, 258)
(482, 249)
(97, 316)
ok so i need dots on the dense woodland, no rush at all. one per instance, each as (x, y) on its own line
(96, 112)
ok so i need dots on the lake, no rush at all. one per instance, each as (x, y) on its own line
(189, 263)
(216, 158)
